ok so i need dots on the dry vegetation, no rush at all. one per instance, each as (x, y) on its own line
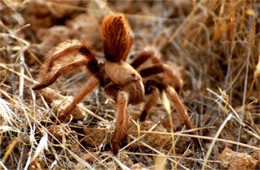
(216, 42)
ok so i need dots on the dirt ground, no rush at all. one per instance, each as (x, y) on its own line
(214, 45)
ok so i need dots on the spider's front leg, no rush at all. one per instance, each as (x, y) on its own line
(122, 117)
(49, 79)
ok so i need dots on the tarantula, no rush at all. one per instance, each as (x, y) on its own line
(120, 80)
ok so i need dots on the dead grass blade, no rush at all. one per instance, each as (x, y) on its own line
(43, 145)
(214, 140)
(167, 106)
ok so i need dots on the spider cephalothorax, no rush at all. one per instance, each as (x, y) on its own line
(119, 79)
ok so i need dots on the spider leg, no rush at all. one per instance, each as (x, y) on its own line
(170, 77)
(81, 47)
(150, 103)
(144, 56)
(140, 59)
(176, 101)
(154, 69)
(90, 85)
(180, 107)
(122, 117)
(49, 79)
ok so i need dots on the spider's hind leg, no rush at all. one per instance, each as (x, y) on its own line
(68, 48)
(65, 58)
(49, 78)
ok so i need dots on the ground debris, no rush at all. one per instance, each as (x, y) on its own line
(235, 160)
(60, 105)
(94, 137)
(139, 166)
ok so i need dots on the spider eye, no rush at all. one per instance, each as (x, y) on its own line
(117, 37)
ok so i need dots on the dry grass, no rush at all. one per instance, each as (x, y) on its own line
(215, 41)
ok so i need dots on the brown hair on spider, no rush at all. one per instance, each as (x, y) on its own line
(117, 37)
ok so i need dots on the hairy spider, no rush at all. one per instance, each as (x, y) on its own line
(120, 80)
(158, 77)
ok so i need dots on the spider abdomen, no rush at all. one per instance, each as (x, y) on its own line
(117, 37)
